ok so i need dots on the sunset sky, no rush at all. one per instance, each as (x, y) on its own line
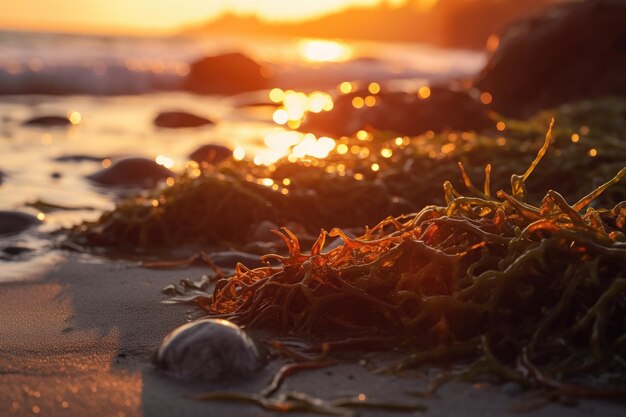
(154, 15)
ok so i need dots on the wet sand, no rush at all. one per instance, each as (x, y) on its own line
(77, 342)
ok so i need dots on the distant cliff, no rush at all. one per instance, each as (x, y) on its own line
(450, 23)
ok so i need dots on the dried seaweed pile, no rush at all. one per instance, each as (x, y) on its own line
(535, 293)
(224, 204)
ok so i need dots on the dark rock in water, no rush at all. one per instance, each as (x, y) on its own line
(79, 158)
(51, 121)
(16, 250)
(208, 349)
(14, 222)
(131, 172)
(226, 74)
(211, 154)
(180, 119)
(403, 113)
(252, 104)
(572, 51)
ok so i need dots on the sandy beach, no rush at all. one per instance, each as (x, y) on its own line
(78, 342)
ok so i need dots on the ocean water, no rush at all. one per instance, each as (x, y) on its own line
(119, 84)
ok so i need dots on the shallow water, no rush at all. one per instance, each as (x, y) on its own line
(115, 125)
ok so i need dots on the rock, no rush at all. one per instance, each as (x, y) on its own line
(48, 121)
(512, 389)
(252, 104)
(79, 158)
(208, 349)
(14, 222)
(2, 175)
(262, 248)
(180, 119)
(572, 51)
(228, 259)
(211, 154)
(403, 113)
(263, 232)
(16, 250)
(131, 172)
(226, 74)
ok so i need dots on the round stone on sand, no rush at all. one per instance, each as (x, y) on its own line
(208, 349)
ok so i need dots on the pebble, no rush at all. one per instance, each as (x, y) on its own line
(228, 259)
(512, 389)
(208, 349)
(16, 250)
(263, 231)
(14, 222)
(79, 158)
(180, 119)
(211, 154)
(52, 121)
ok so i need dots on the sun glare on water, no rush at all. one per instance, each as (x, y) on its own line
(295, 105)
(294, 146)
(324, 51)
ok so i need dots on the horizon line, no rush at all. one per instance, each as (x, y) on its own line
(121, 30)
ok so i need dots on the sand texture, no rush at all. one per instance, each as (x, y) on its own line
(77, 342)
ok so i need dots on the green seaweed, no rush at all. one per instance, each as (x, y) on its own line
(222, 205)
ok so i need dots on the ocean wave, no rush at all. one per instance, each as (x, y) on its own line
(57, 64)
(78, 79)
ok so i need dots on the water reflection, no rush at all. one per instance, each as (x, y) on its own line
(295, 105)
(74, 117)
(324, 51)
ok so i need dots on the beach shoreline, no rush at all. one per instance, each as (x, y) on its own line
(78, 342)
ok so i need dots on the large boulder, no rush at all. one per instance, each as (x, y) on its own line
(573, 51)
(403, 113)
(226, 74)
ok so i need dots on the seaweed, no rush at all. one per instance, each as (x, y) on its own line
(294, 401)
(367, 177)
(531, 293)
